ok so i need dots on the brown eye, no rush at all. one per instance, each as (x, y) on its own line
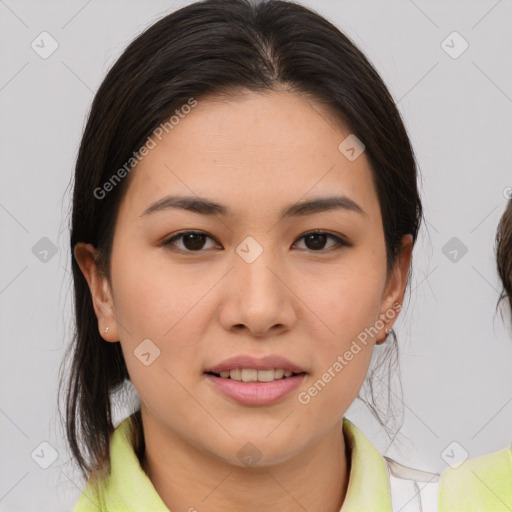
(316, 240)
(195, 241)
(192, 241)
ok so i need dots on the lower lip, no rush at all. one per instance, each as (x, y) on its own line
(257, 393)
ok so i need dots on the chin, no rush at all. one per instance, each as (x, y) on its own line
(259, 450)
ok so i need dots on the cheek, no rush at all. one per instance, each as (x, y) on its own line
(151, 309)
(341, 359)
(349, 300)
(348, 306)
(154, 304)
(154, 298)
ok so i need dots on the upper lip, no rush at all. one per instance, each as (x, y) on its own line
(262, 363)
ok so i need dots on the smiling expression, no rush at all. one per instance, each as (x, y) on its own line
(246, 233)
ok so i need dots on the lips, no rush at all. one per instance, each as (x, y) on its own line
(245, 362)
(252, 381)
(251, 375)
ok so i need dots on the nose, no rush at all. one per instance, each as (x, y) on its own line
(258, 297)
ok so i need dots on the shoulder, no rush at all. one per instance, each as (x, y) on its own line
(480, 484)
(104, 486)
(91, 498)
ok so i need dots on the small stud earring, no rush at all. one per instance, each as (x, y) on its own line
(387, 331)
(106, 329)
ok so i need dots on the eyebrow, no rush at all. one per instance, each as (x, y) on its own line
(205, 206)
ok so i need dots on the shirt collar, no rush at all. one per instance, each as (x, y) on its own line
(128, 489)
(368, 485)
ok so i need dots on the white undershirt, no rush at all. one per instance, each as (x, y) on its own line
(412, 490)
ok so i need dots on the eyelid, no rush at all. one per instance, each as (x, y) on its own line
(340, 240)
(168, 241)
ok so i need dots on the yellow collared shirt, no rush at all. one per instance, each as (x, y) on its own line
(482, 484)
(128, 488)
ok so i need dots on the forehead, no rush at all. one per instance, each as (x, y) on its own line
(250, 150)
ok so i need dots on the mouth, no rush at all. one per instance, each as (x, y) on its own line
(252, 381)
(254, 375)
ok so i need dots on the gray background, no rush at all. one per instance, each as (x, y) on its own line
(456, 351)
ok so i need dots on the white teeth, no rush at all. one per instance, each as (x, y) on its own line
(266, 375)
(235, 374)
(251, 375)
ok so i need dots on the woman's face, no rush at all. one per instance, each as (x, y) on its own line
(251, 284)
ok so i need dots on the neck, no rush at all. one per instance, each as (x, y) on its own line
(189, 479)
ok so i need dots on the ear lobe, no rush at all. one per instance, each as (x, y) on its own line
(86, 256)
(396, 285)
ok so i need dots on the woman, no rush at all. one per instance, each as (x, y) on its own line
(485, 483)
(245, 207)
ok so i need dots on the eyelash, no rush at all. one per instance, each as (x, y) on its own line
(340, 241)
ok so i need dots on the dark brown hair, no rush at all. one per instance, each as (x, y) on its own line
(213, 47)
(504, 252)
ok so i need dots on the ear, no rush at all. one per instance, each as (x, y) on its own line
(86, 257)
(395, 287)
